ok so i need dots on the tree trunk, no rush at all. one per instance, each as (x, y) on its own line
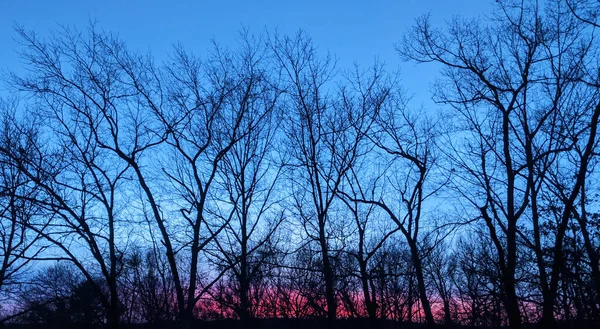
(244, 284)
(370, 305)
(421, 284)
(511, 300)
(328, 276)
(447, 314)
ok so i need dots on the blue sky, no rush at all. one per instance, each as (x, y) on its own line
(356, 31)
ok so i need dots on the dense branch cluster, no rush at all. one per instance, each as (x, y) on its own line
(263, 181)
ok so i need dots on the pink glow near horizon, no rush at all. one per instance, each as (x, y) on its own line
(286, 303)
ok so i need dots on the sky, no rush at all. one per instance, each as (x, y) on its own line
(355, 31)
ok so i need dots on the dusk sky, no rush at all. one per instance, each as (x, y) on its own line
(206, 164)
(355, 31)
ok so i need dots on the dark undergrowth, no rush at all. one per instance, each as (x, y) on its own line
(292, 324)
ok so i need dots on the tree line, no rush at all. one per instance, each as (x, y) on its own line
(263, 181)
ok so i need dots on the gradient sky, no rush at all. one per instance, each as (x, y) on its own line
(355, 31)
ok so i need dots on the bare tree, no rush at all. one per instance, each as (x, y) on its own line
(18, 245)
(364, 96)
(212, 108)
(108, 107)
(405, 157)
(312, 145)
(147, 287)
(513, 85)
(247, 179)
(77, 94)
(59, 296)
(324, 134)
(585, 11)
(441, 268)
(261, 181)
(477, 281)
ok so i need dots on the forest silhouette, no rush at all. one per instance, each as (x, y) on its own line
(263, 186)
